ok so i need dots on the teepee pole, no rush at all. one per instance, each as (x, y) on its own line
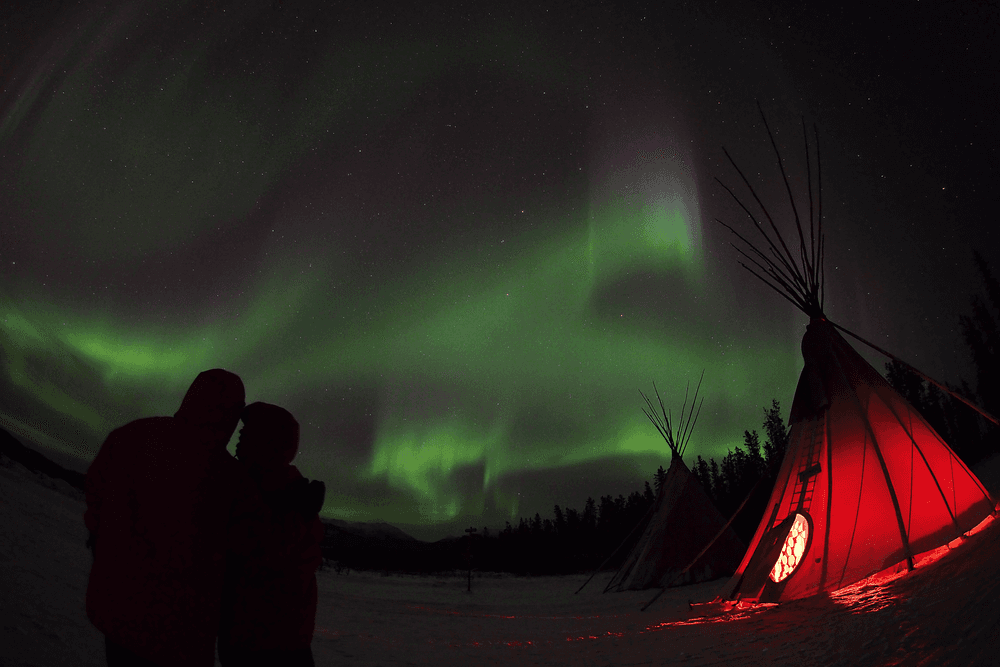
(908, 429)
(606, 560)
(934, 382)
(904, 537)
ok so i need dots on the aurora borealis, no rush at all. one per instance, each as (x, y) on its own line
(455, 244)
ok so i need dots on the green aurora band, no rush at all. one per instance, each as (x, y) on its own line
(508, 350)
(482, 371)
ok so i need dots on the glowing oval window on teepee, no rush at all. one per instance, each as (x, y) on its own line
(792, 550)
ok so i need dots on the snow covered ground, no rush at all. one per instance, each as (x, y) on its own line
(946, 612)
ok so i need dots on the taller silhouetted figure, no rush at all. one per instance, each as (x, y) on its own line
(165, 501)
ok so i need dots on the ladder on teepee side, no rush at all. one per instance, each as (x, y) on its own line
(809, 465)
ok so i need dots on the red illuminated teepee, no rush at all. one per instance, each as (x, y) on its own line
(866, 483)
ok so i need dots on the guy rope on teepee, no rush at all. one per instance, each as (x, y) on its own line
(866, 483)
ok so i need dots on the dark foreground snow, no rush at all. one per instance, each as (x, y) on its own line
(946, 612)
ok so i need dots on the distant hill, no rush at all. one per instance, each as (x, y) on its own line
(381, 546)
(36, 462)
(377, 530)
(362, 545)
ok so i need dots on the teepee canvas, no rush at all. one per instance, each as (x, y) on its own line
(684, 521)
(866, 483)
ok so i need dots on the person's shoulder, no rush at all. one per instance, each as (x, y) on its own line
(141, 430)
(315, 496)
(227, 464)
(305, 496)
(146, 424)
(231, 477)
(284, 482)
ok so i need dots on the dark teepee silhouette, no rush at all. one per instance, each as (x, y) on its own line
(684, 520)
(866, 483)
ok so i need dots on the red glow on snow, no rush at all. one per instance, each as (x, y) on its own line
(982, 525)
(725, 611)
(448, 612)
(873, 594)
(733, 612)
(793, 549)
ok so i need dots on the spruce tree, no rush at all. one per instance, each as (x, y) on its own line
(560, 521)
(981, 331)
(777, 437)
(659, 478)
(754, 459)
(590, 515)
(702, 473)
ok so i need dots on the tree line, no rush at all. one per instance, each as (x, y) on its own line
(577, 541)
(972, 437)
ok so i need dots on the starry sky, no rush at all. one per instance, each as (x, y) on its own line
(456, 242)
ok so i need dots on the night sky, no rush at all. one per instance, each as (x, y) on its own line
(456, 243)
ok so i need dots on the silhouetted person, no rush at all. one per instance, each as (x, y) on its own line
(165, 501)
(269, 603)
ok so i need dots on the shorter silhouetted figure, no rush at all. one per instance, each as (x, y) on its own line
(269, 603)
(165, 502)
